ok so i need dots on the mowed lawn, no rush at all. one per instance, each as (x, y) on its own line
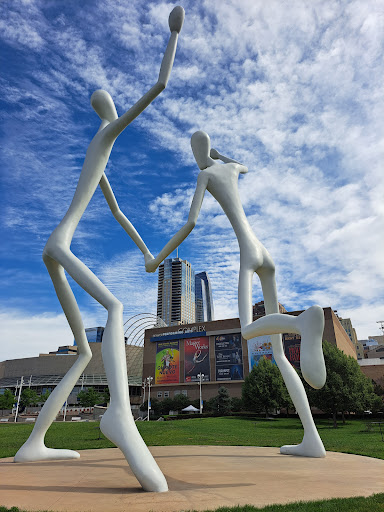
(352, 437)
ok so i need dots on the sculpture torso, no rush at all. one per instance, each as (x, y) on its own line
(223, 186)
(95, 162)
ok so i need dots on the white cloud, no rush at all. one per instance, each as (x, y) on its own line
(26, 335)
(292, 90)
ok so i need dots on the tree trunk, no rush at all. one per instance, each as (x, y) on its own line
(343, 417)
(334, 416)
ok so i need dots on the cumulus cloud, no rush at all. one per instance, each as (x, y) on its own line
(292, 91)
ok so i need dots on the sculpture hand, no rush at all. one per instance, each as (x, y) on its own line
(176, 19)
(214, 154)
(150, 263)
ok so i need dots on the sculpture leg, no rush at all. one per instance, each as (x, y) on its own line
(310, 325)
(311, 446)
(34, 448)
(117, 423)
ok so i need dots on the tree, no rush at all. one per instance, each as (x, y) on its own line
(264, 388)
(89, 397)
(223, 401)
(236, 404)
(346, 387)
(28, 398)
(179, 402)
(7, 399)
(44, 396)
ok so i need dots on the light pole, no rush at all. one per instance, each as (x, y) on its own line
(201, 376)
(149, 380)
(18, 398)
(143, 386)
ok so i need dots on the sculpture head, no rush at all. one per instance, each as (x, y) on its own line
(201, 147)
(103, 105)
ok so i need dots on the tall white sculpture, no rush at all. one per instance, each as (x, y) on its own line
(117, 423)
(221, 180)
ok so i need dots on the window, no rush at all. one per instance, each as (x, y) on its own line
(177, 392)
(185, 392)
(159, 394)
(166, 394)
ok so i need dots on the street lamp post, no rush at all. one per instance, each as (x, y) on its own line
(143, 386)
(18, 398)
(200, 377)
(149, 380)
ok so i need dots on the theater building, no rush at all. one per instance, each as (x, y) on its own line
(174, 356)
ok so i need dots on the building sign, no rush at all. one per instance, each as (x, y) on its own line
(196, 359)
(257, 348)
(182, 332)
(292, 349)
(167, 363)
(229, 357)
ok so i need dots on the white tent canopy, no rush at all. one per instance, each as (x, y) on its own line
(190, 408)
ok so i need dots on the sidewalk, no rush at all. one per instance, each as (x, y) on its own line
(199, 477)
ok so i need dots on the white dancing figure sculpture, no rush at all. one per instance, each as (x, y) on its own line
(117, 423)
(221, 180)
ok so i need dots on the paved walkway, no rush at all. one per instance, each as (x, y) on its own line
(199, 477)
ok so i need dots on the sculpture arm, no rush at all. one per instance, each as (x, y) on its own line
(181, 235)
(217, 156)
(119, 215)
(176, 19)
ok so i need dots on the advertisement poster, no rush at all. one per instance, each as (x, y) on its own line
(292, 349)
(229, 357)
(167, 362)
(196, 359)
(257, 348)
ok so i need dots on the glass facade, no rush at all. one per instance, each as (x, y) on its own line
(93, 334)
(176, 292)
(203, 298)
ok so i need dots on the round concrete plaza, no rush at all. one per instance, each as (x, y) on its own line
(199, 477)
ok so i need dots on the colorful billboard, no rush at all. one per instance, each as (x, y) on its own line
(257, 348)
(167, 363)
(292, 349)
(229, 357)
(196, 359)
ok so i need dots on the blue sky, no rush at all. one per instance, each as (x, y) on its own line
(294, 90)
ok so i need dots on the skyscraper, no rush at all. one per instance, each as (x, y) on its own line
(176, 292)
(203, 298)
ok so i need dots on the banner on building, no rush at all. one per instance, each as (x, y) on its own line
(196, 359)
(257, 348)
(292, 349)
(229, 357)
(167, 363)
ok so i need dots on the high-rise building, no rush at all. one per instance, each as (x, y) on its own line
(350, 330)
(259, 309)
(203, 298)
(176, 292)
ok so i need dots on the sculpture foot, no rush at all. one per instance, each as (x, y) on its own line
(34, 451)
(118, 426)
(311, 326)
(307, 448)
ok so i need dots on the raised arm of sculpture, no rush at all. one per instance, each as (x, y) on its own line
(217, 156)
(181, 235)
(176, 19)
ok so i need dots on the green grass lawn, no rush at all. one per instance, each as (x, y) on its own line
(349, 438)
